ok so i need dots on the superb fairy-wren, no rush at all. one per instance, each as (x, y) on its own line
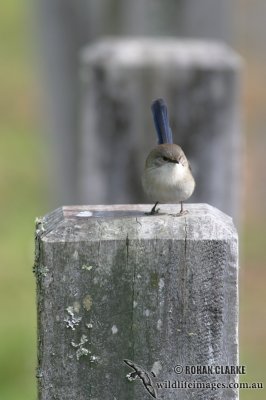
(167, 176)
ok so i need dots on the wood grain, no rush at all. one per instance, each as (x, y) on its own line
(157, 290)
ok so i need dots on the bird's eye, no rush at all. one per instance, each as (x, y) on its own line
(165, 158)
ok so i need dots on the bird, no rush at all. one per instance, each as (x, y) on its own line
(143, 375)
(167, 176)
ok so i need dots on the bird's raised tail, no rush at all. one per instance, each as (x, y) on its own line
(161, 122)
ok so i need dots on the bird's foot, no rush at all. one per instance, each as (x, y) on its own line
(181, 213)
(153, 210)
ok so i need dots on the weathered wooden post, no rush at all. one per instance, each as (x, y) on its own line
(160, 291)
(200, 82)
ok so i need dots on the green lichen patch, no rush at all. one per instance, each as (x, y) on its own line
(87, 267)
(87, 302)
(154, 280)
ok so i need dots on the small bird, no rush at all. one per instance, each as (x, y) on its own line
(167, 176)
(143, 375)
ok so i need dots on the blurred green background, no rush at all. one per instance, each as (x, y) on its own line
(23, 196)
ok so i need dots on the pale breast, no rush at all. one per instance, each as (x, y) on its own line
(170, 183)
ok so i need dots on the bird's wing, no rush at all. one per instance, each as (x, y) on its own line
(147, 382)
(144, 376)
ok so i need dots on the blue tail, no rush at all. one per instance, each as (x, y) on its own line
(161, 122)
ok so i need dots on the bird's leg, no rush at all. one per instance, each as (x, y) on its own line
(182, 211)
(153, 210)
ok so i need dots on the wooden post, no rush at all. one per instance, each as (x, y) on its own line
(158, 291)
(200, 82)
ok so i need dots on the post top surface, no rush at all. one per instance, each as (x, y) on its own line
(109, 222)
(141, 51)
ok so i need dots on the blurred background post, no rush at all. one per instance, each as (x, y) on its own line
(200, 81)
(66, 26)
(39, 172)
